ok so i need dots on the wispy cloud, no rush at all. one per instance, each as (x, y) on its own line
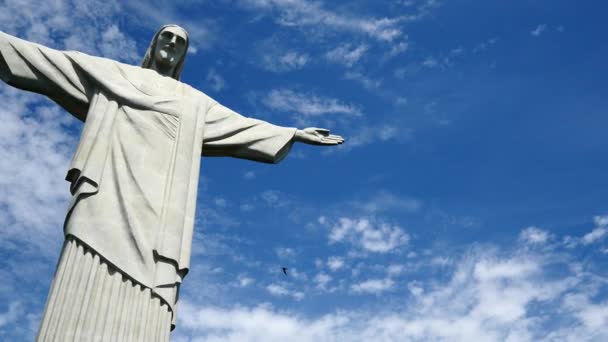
(594, 235)
(373, 286)
(398, 48)
(244, 281)
(346, 54)
(309, 14)
(366, 81)
(485, 45)
(203, 32)
(71, 25)
(274, 198)
(538, 30)
(249, 175)
(12, 314)
(284, 62)
(285, 253)
(597, 234)
(373, 133)
(277, 290)
(534, 235)
(215, 81)
(335, 263)
(491, 294)
(322, 281)
(430, 62)
(286, 100)
(282, 291)
(383, 201)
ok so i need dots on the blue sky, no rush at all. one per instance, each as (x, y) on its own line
(467, 204)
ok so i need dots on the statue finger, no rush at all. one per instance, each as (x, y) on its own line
(333, 138)
(330, 142)
(323, 131)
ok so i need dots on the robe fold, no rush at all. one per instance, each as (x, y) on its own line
(134, 175)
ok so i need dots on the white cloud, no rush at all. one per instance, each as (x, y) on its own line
(72, 25)
(203, 31)
(116, 45)
(430, 62)
(249, 175)
(601, 221)
(312, 15)
(395, 269)
(491, 294)
(594, 235)
(369, 234)
(440, 261)
(244, 281)
(366, 81)
(534, 235)
(282, 291)
(12, 314)
(401, 101)
(285, 253)
(335, 263)
(35, 153)
(593, 316)
(286, 100)
(220, 202)
(491, 270)
(373, 286)
(457, 51)
(485, 45)
(246, 207)
(215, 81)
(277, 290)
(386, 201)
(372, 133)
(538, 30)
(398, 48)
(415, 288)
(277, 61)
(597, 234)
(274, 198)
(322, 280)
(346, 54)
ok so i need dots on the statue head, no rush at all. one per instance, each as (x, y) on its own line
(167, 51)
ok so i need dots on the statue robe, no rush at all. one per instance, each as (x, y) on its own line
(134, 176)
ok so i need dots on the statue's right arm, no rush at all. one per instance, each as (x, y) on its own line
(46, 71)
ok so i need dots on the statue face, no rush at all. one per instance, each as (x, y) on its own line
(170, 46)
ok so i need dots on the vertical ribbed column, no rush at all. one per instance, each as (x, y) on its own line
(90, 300)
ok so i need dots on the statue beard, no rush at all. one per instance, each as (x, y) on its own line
(166, 58)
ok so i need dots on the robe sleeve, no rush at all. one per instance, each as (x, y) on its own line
(229, 134)
(42, 70)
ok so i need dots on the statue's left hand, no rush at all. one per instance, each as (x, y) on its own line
(317, 136)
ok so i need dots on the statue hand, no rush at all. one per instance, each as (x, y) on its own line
(317, 136)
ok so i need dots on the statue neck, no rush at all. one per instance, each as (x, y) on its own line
(162, 69)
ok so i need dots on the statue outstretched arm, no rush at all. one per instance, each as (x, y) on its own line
(46, 71)
(227, 133)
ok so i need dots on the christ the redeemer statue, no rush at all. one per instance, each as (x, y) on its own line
(133, 179)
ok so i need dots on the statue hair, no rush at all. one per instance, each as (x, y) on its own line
(148, 57)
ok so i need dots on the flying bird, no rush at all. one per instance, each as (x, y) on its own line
(284, 270)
